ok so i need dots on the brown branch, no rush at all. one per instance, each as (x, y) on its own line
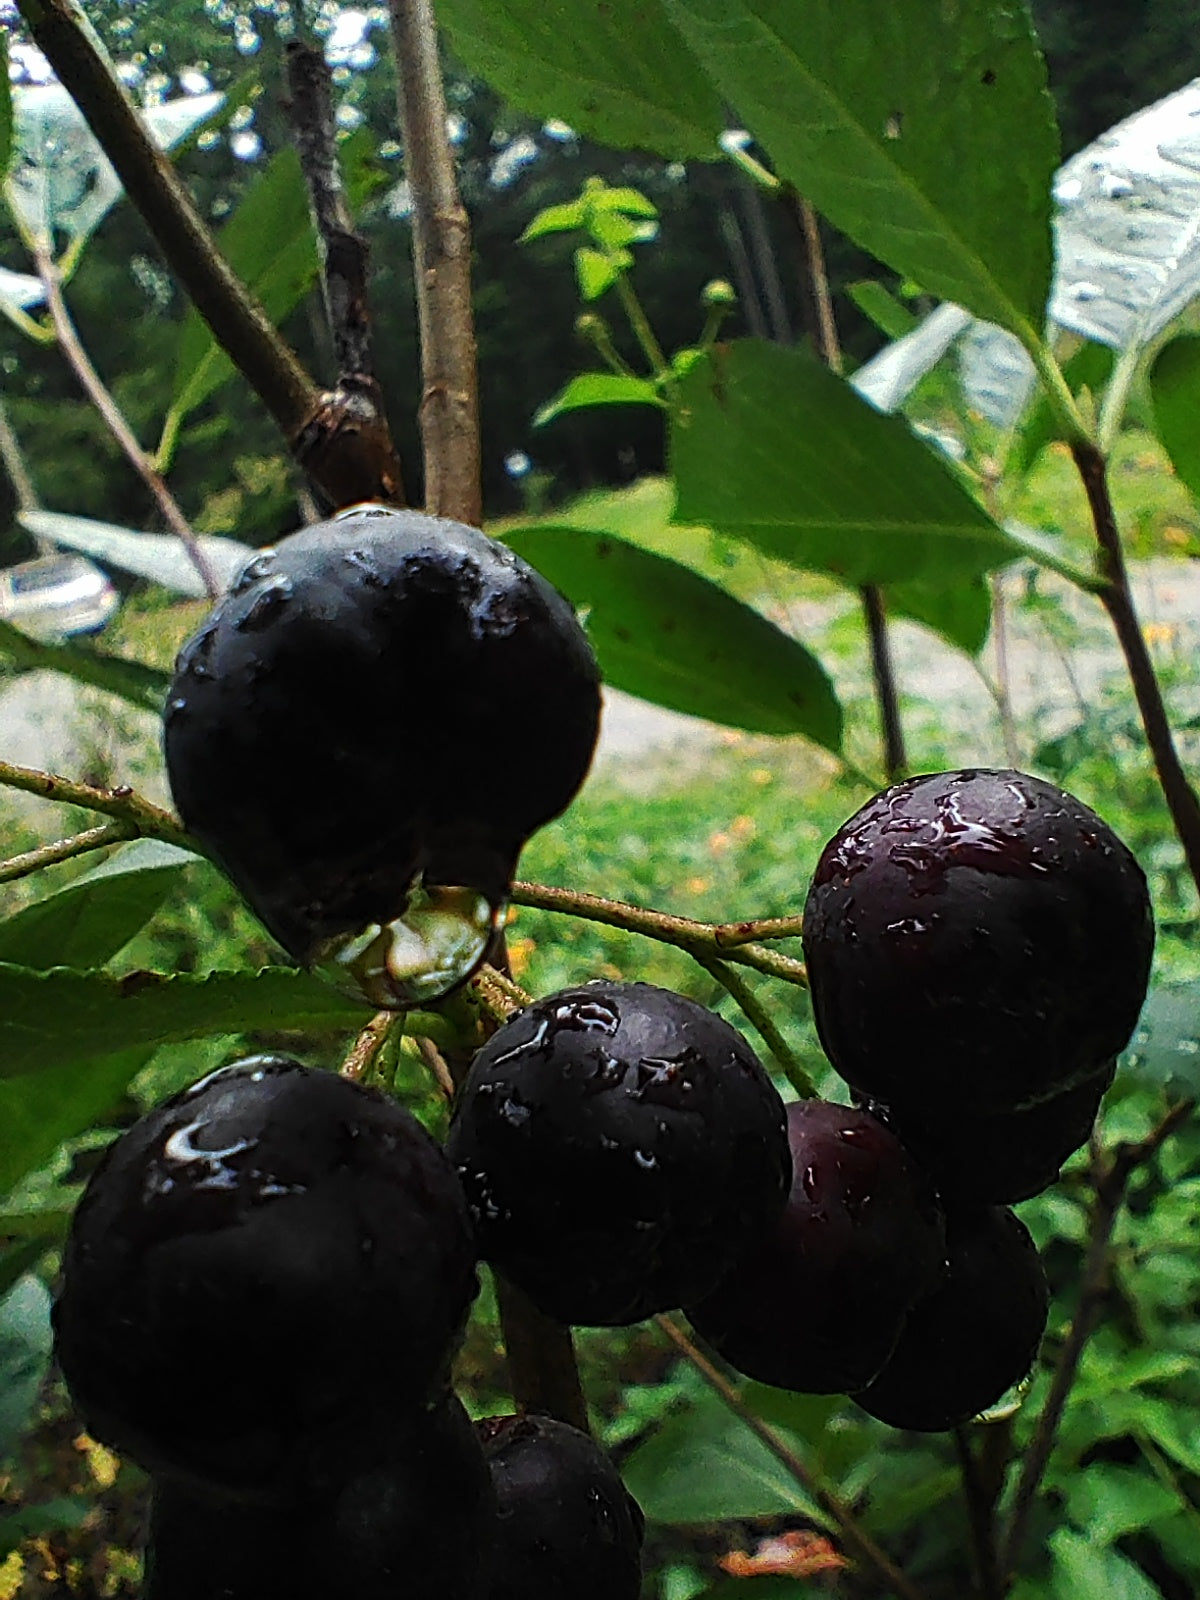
(49, 855)
(113, 418)
(141, 816)
(347, 445)
(442, 265)
(1111, 1184)
(701, 939)
(362, 1055)
(762, 1020)
(807, 222)
(1117, 599)
(831, 1506)
(981, 1510)
(238, 322)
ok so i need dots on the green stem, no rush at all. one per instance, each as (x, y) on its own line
(642, 330)
(700, 939)
(49, 855)
(140, 815)
(763, 1021)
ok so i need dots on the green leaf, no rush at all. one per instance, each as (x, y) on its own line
(87, 921)
(704, 1465)
(50, 1019)
(18, 1259)
(25, 1342)
(598, 389)
(614, 71)
(888, 314)
(1089, 368)
(961, 613)
(49, 1517)
(1165, 1048)
(1175, 391)
(663, 632)
(1082, 1568)
(931, 141)
(1108, 1501)
(40, 1109)
(597, 270)
(269, 243)
(141, 685)
(556, 219)
(769, 446)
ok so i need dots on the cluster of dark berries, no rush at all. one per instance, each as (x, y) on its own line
(978, 948)
(263, 1288)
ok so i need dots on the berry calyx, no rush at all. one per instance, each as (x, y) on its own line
(620, 1146)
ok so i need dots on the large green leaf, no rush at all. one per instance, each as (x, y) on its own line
(50, 1019)
(25, 1343)
(1165, 1048)
(768, 445)
(704, 1465)
(960, 612)
(40, 1109)
(613, 69)
(923, 131)
(1081, 1567)
(663, 632)
(88, 920)
(133, 681)
(1175, 390)
(269, 243)
(51, 1516)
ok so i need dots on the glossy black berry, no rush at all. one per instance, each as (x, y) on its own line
(978, 941)
(568, 1528)
(999, 1160)
(620, 1147)
(366, 730)
(236, 1257)
(819, 1304)
(420, 1525)
(975, 1336)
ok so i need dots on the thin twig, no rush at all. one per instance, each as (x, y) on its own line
(238, 322)
(442, 266)
(730, 935)
(980, 1516)
(701, 939)
(831, 1506)
(113, 418)
(764, 1022)
(49, 855)
(436, 1062)
(542, 1368)
(1117, 598)
(348, 444)
(1111, 1184)
(15, 465)
(365, 1051)
(142, 817)
(895, 760)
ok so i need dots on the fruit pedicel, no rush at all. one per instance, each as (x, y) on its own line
(978, 945)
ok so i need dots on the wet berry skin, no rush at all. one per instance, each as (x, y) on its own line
(819, 1305)
(233, 1257)
(568, 1527)
(976, 940)
(975, 1336)
(379, 697)
(420, 1524)
(620, 1147)
(999, 1160)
